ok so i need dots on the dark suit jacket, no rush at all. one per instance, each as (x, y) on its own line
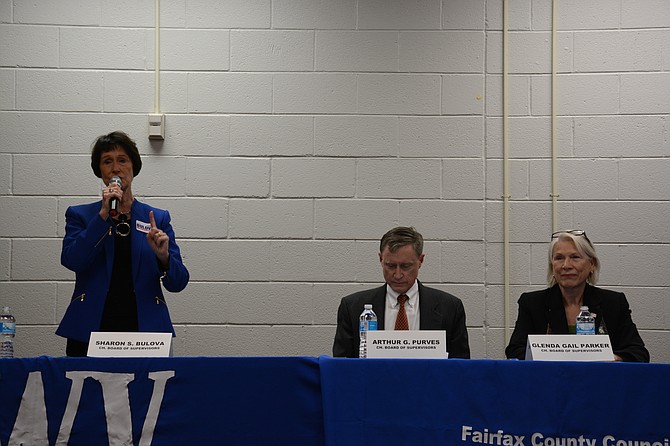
(88, 250)
(438, 311)
(542, 312)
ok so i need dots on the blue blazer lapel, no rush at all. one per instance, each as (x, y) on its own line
(139, 212)
(109, 250)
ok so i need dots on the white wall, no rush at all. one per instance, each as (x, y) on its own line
(299, 131)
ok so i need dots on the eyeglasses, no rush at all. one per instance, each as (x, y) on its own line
(575, 232)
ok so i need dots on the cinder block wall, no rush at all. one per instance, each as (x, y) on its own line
(299, 131)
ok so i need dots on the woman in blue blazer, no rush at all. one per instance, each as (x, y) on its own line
(121, 250)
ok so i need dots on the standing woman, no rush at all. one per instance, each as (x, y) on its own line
(120, 258)
(572, 273)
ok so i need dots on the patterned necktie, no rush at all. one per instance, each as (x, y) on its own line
(401, 319)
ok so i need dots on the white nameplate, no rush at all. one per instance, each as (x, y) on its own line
(569, 348)
(407, 344)
(114, 345)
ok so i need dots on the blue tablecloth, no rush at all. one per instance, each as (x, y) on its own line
(207, 401)
(474, 402)
(301, 401)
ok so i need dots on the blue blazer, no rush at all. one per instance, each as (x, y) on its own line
(438, 311)
(88, 250)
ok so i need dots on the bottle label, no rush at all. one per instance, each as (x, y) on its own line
(585, 328)
(7, 327)
(371, 325)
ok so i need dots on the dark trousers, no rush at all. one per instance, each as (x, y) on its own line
(76, 348)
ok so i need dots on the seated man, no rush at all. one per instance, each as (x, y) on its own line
(402, 303)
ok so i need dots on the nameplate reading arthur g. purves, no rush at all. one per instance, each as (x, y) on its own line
(407, 344)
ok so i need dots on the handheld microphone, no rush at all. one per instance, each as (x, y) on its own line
(114, 202)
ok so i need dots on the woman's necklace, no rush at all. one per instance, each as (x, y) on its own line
(122, 225)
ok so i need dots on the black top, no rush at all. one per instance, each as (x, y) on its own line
(542, 312)
(120, 312)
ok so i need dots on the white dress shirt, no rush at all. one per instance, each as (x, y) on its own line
(411, 307)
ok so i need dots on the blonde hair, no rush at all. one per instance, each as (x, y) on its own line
(583, 246)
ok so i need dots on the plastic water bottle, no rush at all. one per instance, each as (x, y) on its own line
(7, 331)
(586, 323)
(368, 321)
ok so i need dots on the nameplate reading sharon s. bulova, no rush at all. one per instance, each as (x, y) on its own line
(569, 348)
(115, 345)
(407, 344)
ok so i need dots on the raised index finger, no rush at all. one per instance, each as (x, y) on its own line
(152, 220)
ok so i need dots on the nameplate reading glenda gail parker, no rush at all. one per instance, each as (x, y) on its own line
(569, 348)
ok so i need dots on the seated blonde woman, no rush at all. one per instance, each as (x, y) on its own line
(572, 273)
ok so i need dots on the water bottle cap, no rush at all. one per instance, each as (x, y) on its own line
(6, 310)
(368, 306)
(584, 308)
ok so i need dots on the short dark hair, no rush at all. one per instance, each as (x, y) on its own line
(111, 141)
(401, 236)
